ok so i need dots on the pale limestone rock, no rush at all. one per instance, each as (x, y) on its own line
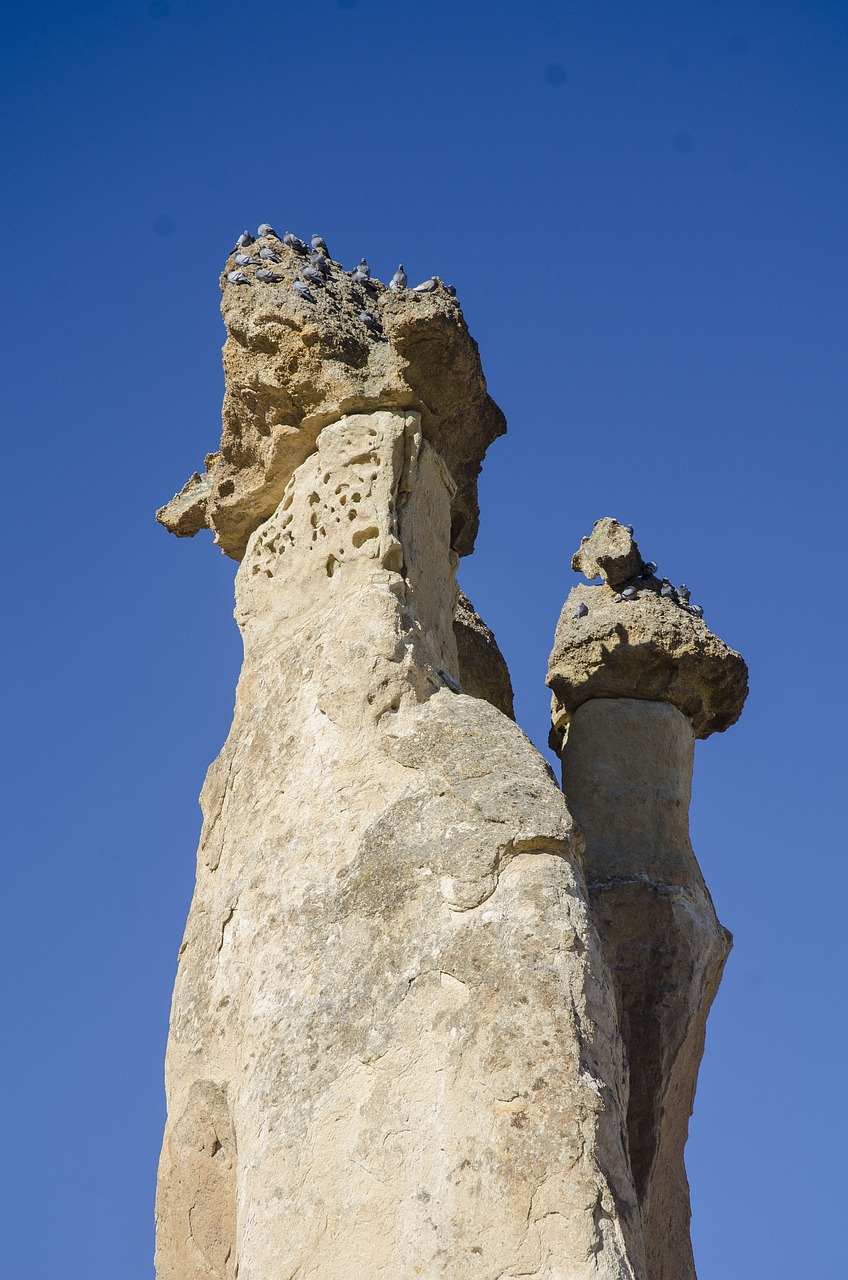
(627, 774)
(292, 366)
(482, 670)
(610, 552)
(393, 1047)
(648, 648)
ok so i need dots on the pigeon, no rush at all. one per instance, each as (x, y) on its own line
(399, 280)
(270, 277)
(371, 322)
(244, 240)
(363, 269)
(667, 591)
(648, 569)
(238, 277)
(628, 528)
(580, 611)
(618, 599)
(426, 286)
(294, 242)
(447, 678)
(319, 245)
(629, 593)
(268, 255)
(684, 593)
(451, 288)
(319, 263)
(303, 291)
(245, 260)
(267, 230)
(696, 610)
(313, 276)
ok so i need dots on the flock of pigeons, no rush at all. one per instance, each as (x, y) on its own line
(315, 271)
(678, 595)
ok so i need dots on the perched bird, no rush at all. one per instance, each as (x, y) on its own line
(311, 274)
(238, 277)
(270, 277)
(580, 611)
(361, 273)
(684, 593)
(294, 242)
(245, 260)
(426, 286)
(451, 288)
(629, 593)
(244, 240)
(649, 568)
(371, 322)
(399, 280)
(267, 230)
(618, 599)
(629, 528)
(319, 245)
(319, 263)
(302, 290)
(268, 255)
(667, 591)
(453, 685)
(696, 610)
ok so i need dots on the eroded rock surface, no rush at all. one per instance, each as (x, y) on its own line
(482, 670)
(292, 365)
(610, 552)
(393, 1046)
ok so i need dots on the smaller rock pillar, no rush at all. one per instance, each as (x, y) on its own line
(636, 676)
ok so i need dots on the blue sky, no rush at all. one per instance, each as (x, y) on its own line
(644, 210)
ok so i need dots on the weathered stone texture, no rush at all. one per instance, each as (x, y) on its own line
(389, 971)
(482, 670)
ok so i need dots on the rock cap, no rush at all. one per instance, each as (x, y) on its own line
(610, 552)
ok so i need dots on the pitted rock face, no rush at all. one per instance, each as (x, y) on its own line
(610, 552)
(648, 648)
(292, 366)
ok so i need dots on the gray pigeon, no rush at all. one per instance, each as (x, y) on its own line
(580, 611)
(238, 277)
(667, 590)
(371, 322)
(244, 240)
(319, 263)
(267, 230)
(648, 569)
(426, 286)
(453, 685)
(245, 260)
(629, 528)
(319, 245)
(270, 277)
(303, 291)
(629, 593)
(684, 593)
(451, 288)
(268, 255)
(310, 273)
(696, 610)
(363, 271)
(294, 242)
(399, 280)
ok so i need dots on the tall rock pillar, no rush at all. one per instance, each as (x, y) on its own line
(636, 677)
(394, 1048)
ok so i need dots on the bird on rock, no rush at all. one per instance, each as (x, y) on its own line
(302, 290)
(268, 255)
(696, 610)
(629, 593)
(319, 245)
(371, 322)
(648, 569)
(453, 685)
(628, 528)
(294, 242)
(362, 272)
(238, 277)
(270, 277)
(399, 280)
(426, 286)
(244, 240)
(319, 263)
(245, 260)
(667, 590)
(267, 230)
(684, 593)
(451, 288)
(313, 276)
(580, 611)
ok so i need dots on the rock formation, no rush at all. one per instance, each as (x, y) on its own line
(634, 682)
(396, 1041)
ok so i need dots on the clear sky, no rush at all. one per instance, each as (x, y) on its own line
(644, 209)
